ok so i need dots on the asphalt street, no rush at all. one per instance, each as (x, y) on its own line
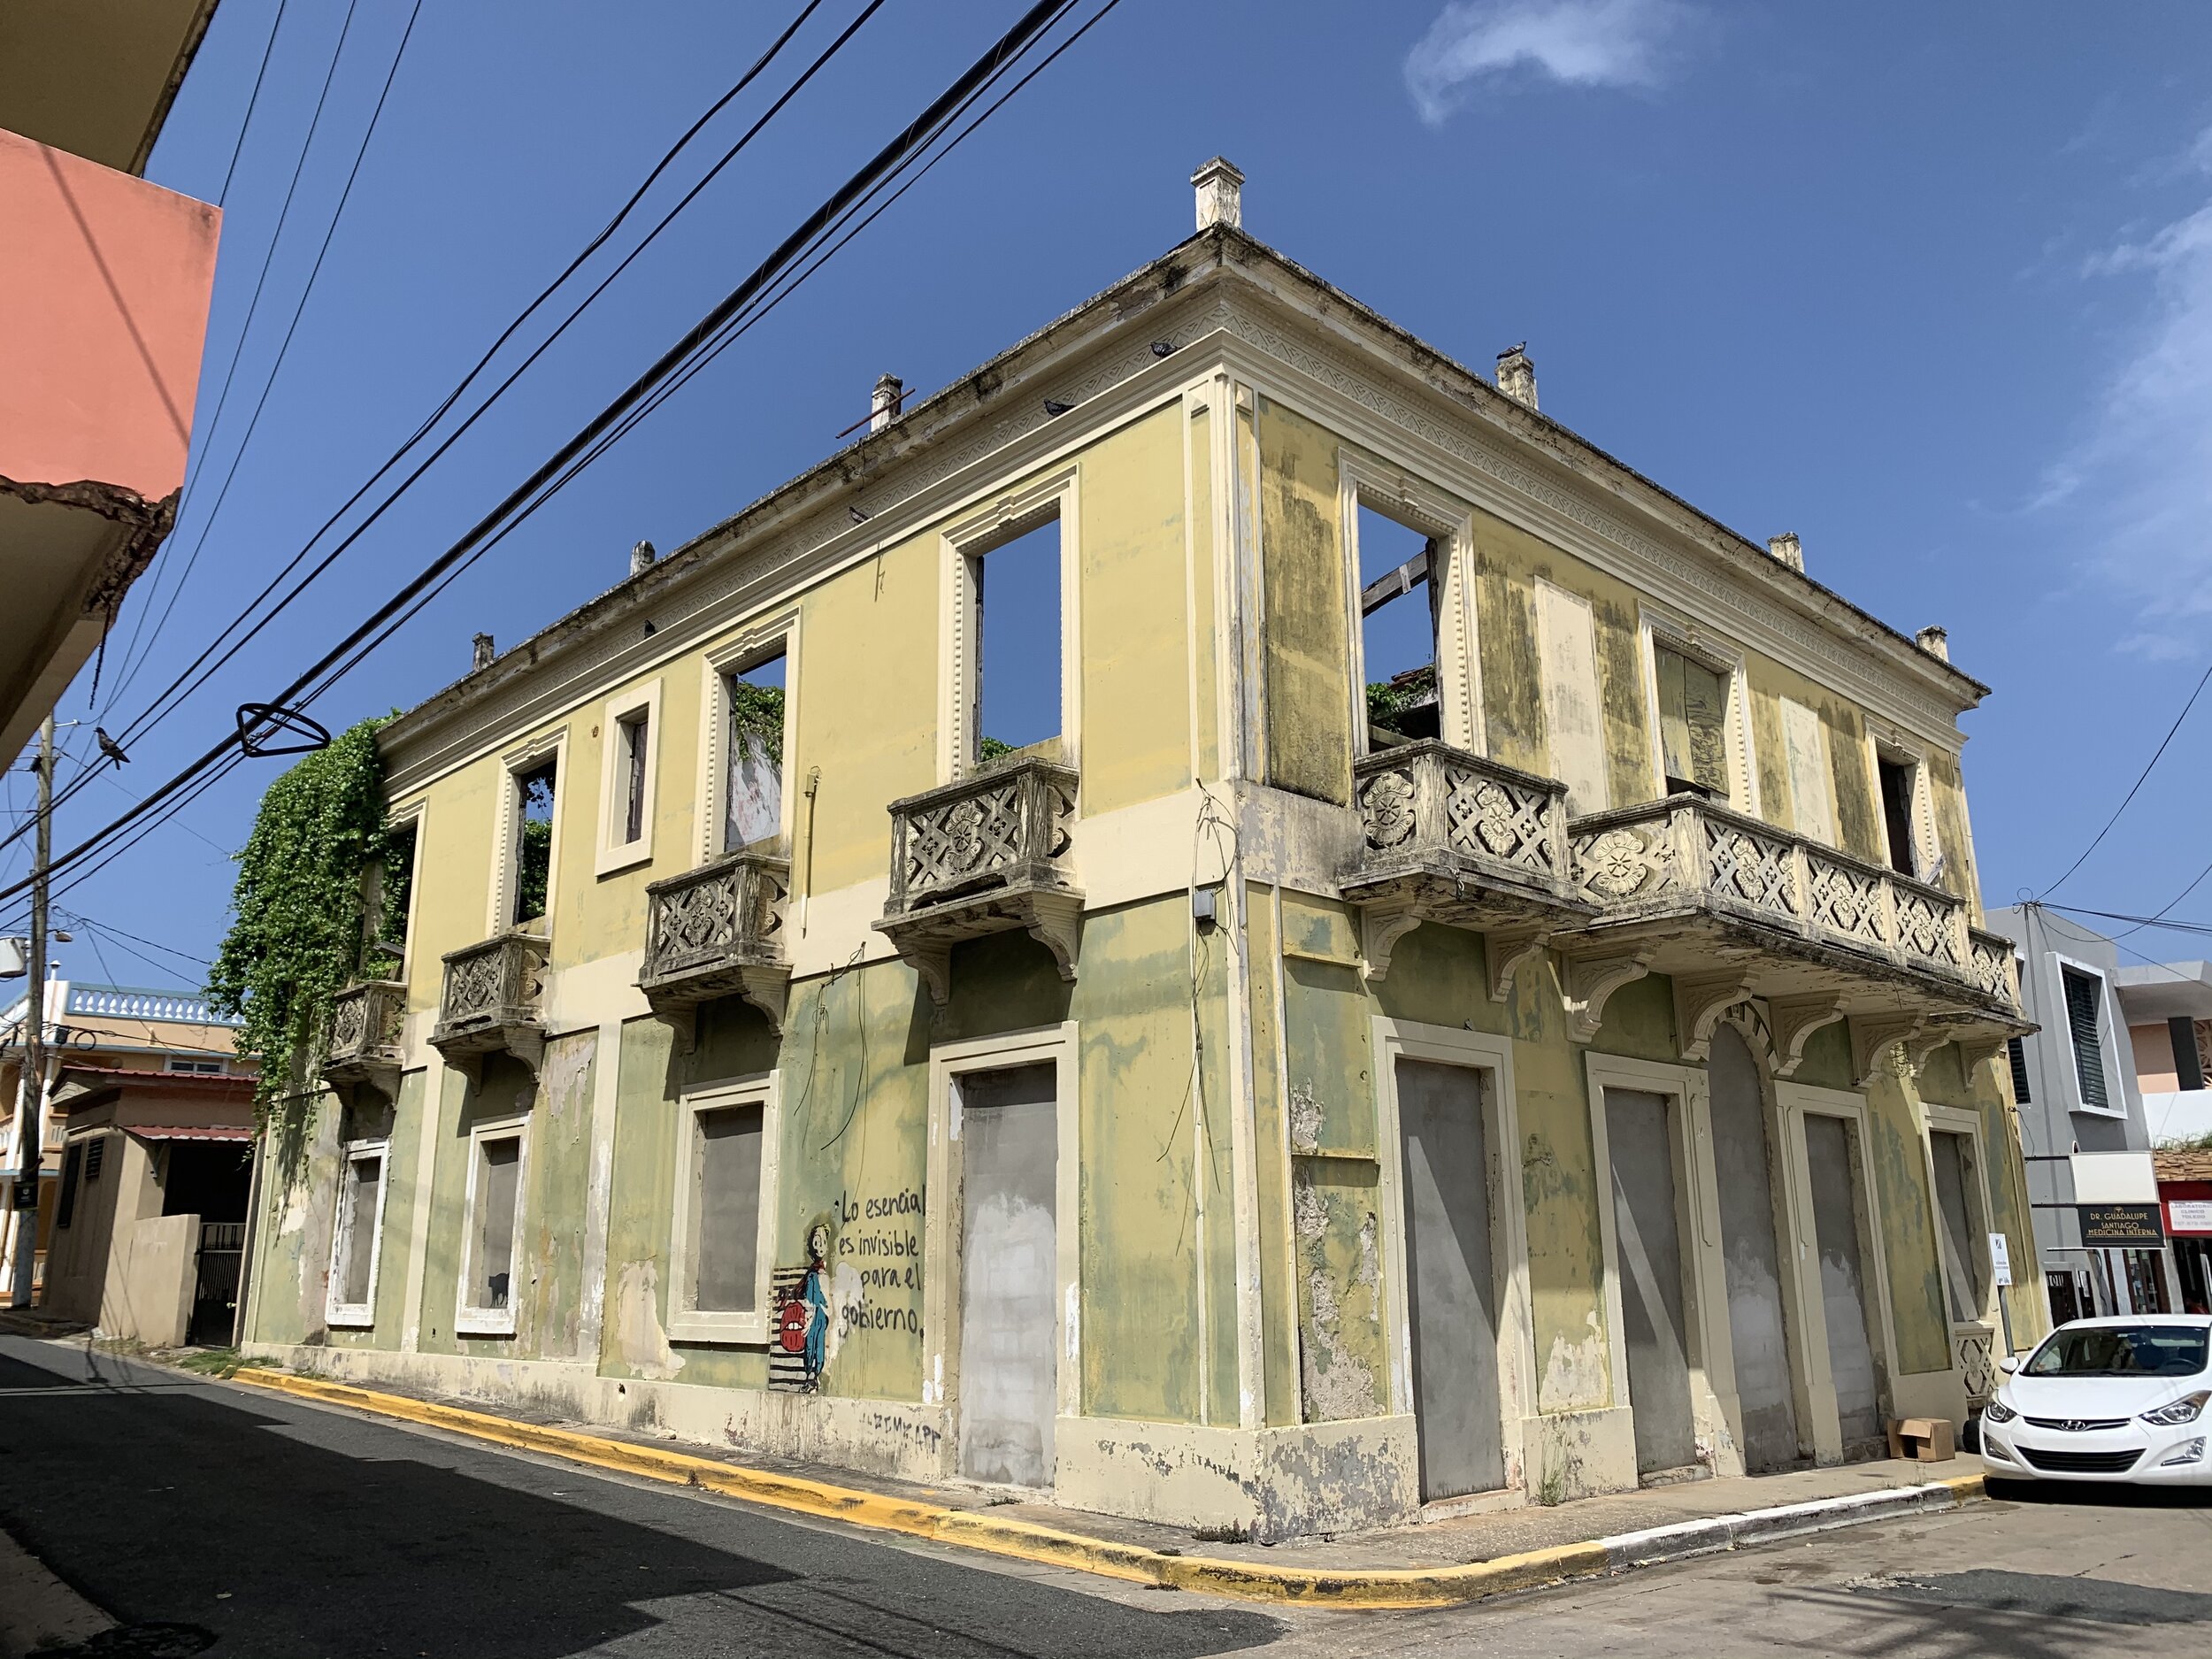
(278, 1528)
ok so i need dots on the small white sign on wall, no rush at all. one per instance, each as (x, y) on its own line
(1999, 1260)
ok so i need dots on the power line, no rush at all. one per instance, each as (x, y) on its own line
(917, 134)
(252, 101)
(2142, 778)
(151, 944)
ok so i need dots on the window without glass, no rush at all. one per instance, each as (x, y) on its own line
(533, 848)
(492, 1253)
(392, 880)
(752, 809)
(1954, 1177)
(1897, 783)
(1018, 672)
(2083, 994)
(634, 731)
(725, 1209)
(353, 1276)
(1398, 601)
(1692, 725)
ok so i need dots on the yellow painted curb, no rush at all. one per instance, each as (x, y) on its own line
(1440, 1586)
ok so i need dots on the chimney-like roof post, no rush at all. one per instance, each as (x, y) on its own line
(641, 557)
(1220, 189)
(483, 651)
(883, 402)
(1935, 640)
(1516, 375)
(1787, 548)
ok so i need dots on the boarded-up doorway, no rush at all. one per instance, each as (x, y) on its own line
(1451, 1280)
(1757, 1328)
(1008, 1255)
(1844, 1290)
(1647, 1254)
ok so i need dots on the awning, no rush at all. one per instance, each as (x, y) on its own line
(189, 1132)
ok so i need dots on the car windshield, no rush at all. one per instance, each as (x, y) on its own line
(2122, 1350)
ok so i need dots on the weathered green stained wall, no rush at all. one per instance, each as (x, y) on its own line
(395, 1251)
(1270, 1140)
(1308, 611)
(1897, 1158)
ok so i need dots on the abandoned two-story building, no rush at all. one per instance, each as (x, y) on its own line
(1467, 990)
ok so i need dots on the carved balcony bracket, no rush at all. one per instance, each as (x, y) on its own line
(1590, 981)
(493, 1002)
(986, 855)
(715, 931)
(364, 1044)
(1381, 925)
(1793, 1020)
(1874, 1035)
(1700, 1000)
(1507, 952)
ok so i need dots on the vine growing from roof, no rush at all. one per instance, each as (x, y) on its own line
(296, 935)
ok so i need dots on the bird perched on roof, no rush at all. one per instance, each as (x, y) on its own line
(109, 747)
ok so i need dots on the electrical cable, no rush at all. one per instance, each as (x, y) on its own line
(253, 100)
(1032, 22)
(2139, 781)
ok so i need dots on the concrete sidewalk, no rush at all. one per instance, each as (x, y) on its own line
(1439, 1563)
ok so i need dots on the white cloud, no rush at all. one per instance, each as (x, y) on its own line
(2140, 480)
(1579, 43)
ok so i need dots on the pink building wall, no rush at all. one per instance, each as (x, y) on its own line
(105, 283)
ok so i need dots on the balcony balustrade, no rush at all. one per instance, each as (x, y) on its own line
(491, 1002)
(1731, 908)
(1447, 836)
(986, 855)
(364, 1045)
(717, 930)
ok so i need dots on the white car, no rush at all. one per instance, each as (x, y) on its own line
(2112, 1400)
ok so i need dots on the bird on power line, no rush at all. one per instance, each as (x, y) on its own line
(109, 747)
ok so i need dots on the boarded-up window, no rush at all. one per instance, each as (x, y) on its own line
(1566, 641)
(752, 785)
(364, 1181)
(725, 1210)
(1693, 724)
(1953, 1158)
(2085, 993)
(498, 1185)
(1812, 786)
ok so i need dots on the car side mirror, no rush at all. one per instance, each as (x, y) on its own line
(2008, 1364)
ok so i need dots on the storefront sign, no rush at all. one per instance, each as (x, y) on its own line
(1999, 1260)
(2189, 1215)
(2120, 1224)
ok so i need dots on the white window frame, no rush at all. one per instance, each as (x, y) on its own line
(358, 1315)
(507, 839)
(2114, 1092)
(469, 1321)
(777, 636)
(1492, 1057)
(615, 853)
(1655, 628)
(195, 1065)
(1058, 494)
(1953, 1120)
(688, 1323)
(1362, 480)
(943, 1223)
(416, 813)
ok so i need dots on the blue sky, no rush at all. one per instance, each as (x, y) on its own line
(1929, 286)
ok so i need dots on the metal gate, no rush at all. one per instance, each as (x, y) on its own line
(215, 1288)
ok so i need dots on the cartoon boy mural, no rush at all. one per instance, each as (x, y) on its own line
(814, 1291)
(803, 1311)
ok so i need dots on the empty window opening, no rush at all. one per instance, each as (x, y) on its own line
(725, 1210)
(1692, 725)
(1897, 791)
(1398, 605)
(1017, 670)
(498, 1185)
(362, 1182)
(534, 843)
(752, 807)
(2084, 992)
(392, 890)
(636, 730)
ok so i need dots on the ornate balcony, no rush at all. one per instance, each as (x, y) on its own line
(984, 855)
(1447, 836)
(1732, 908)
(365, 1035)
(717, 930)
(491, 1002)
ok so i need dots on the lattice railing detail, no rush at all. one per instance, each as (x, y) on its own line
(1931, 926)
(1974, 1345)
(493, 979)
(1428, 797)
(1755, 869)
(721, 912)
(365, 1022)
(1006, 825)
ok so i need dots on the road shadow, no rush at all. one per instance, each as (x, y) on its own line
(290, 1530)
(2085, 1494)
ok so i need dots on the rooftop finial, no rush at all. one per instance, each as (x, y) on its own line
(1220, 189)
(1516, 375)
(641, 557)
(1787, 548)
(484, 651)
(884, 401)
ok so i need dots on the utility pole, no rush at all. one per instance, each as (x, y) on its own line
(30, 1109)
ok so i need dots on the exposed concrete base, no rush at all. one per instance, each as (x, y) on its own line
(1580, 1454)
(1278, 1482)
